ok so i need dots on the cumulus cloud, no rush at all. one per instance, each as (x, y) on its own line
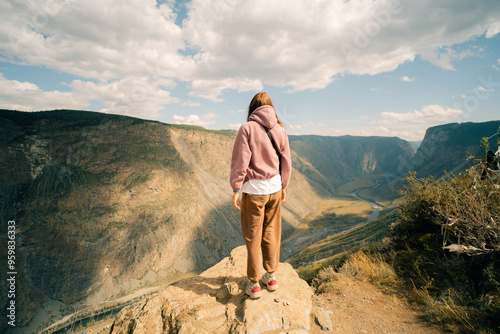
(192, 119)
(134, 96)
(95, 39)
(17, 95)
(304, 45)
(428, 113)
(130, 96)
(235, 45)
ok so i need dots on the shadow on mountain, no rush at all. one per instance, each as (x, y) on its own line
(214, 239)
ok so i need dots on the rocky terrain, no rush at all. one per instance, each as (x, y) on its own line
(215, 302)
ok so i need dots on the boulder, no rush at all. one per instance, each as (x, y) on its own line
(323, 319)
(215, 302)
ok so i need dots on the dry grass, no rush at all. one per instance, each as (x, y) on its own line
(370, 268)
(446, 311)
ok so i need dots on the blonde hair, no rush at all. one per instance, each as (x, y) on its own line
(261, 99)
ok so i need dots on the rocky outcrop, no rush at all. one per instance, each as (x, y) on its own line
(446, 147)
(215, 302)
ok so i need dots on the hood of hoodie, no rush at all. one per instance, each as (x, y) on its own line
(264, 115)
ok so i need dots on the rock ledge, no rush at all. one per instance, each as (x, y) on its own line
(215, 302)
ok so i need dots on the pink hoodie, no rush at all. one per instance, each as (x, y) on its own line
(254, 156)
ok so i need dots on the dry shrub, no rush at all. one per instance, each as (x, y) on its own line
(370, 268)
(449, 311)
(447, 244)
(465, 207)
(323, 282)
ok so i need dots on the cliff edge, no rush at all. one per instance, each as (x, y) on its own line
(215, 302)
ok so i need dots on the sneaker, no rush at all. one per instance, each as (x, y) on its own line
(270, 281)
(253, 290)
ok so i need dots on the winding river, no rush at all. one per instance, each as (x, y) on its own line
(286, 248)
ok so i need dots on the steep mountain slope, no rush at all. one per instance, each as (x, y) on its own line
(445, 147)
(332, 161)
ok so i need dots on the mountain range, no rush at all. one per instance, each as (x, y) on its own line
(106, 206)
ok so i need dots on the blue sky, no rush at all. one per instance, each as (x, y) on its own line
(360, 67)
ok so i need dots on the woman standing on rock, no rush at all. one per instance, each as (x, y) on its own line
(260, 169)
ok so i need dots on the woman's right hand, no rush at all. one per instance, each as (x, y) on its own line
(236, 201)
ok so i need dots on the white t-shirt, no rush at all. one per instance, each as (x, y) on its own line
(262, 187)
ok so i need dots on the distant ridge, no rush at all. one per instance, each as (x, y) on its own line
(445, 147)
(341, 159)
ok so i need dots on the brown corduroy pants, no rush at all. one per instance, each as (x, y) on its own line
(261, 229)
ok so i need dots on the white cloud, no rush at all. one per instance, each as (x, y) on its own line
(492, 29)
(304, 45)
(17, 95)
(235, 45)
(132, 96)
(94, 39)
(406, 78)
(428, 113)
(446, 56)
(192, 119)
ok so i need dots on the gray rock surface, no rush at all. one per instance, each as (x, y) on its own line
(215, 302)
(322, 317)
